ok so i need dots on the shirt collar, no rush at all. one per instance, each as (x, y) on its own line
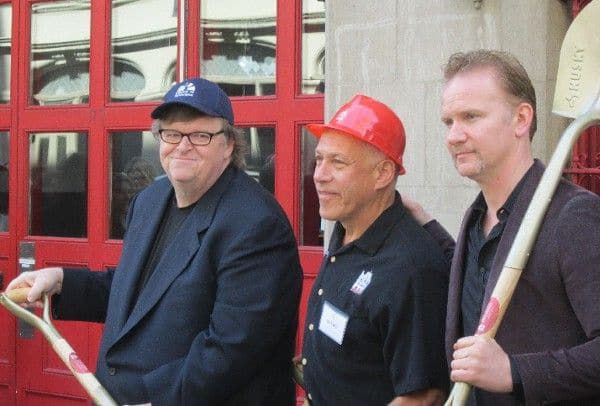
(480, 206)
(374, 237)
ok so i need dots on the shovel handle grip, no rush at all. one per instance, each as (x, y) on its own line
(18, 295)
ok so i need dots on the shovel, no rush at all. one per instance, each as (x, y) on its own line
(66, 353)
(577, 95)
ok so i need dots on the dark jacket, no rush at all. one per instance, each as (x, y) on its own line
(552, 324)
(216, 322)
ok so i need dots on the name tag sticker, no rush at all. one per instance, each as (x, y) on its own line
(333, 322)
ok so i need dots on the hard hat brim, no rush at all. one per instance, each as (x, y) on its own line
(318, 129)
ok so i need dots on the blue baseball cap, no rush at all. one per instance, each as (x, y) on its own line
(201, 94)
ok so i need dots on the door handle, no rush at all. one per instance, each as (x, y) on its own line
(26, 263)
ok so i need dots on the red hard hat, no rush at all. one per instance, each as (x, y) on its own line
(371, 121)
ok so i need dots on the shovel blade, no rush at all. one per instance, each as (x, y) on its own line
(578, 77)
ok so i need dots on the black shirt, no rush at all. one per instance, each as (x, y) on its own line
(383, 297)
(478, 262)
(170, 224)
(479, 259)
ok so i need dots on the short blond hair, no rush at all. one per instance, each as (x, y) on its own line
(512, 75)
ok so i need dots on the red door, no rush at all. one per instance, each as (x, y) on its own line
(77, 83)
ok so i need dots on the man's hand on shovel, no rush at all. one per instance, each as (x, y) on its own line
(45, 280)
(481, 362)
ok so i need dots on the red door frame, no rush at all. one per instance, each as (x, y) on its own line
(8, 240)
(32, 367)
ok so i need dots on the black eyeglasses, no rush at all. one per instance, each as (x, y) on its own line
(195, 138)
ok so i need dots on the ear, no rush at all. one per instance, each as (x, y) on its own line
(385, 173)
(523, 118)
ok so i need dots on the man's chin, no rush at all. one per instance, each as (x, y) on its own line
(182, 180)
(467, 170)
(326, 215)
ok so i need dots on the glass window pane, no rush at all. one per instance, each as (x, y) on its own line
(237, 45)
(135, 164)
(5, 40)
(58, 184)
(144, 49)
(313, 46)
(311, 225)
(60, 58)
(4, 181)
(260, 155)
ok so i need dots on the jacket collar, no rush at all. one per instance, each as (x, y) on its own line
(375, 235)
(524, 192)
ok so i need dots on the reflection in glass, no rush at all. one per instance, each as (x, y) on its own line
(260, 157)
(5, 39)
(311, 226)
(4, 181)
(135, 164)
(313, 46)
(58, 184)
(144, 50)
(238, 45)
(59, 60)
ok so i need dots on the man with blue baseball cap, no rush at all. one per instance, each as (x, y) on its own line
(200, 94)
(202, 308)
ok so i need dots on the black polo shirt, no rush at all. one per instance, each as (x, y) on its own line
(481, 250)
(375, 321)
(479, 258)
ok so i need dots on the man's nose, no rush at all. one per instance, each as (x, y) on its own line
(185, 143)
(455, 134)
(321, 173)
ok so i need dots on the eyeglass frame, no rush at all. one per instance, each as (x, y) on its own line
(182, 134)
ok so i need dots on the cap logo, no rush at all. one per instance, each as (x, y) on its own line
(185, 90)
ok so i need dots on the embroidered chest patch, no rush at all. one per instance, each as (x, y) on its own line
(361, 283)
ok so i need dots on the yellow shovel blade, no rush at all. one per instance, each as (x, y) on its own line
(578, 77)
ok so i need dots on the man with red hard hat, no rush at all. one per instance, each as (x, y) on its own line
(374, 329)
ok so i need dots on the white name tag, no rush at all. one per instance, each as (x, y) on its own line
(333, 322)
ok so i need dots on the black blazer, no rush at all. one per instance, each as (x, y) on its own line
(216, 322)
